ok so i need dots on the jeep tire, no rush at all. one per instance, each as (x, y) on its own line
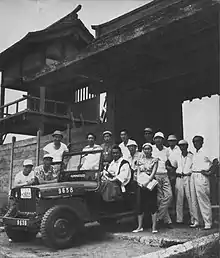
(17, 235)
(59, 227)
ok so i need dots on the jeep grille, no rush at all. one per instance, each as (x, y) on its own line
(27, 205)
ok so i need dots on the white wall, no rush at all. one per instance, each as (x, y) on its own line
(201, 116)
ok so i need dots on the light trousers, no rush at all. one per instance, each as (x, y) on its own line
(200, 194)
(164, 197)
(182, 189)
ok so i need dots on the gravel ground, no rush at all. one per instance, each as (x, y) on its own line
(95, 243)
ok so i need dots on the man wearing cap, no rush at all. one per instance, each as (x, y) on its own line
(164, 188)
(25, 177)
(45, 173)
(107, 148)
(148, 135)
(183, 175)
(134, 156)
(56, 149)
(123, 145)
(200, 188)
(174, 153)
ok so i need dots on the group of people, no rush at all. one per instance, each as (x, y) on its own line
(177, 172)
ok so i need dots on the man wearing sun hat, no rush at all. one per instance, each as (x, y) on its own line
(56, 149)
(25, 177)
(107, 148)
(45, 173)
(183, 176)
(164, 188)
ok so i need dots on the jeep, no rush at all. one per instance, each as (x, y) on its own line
(60, 210)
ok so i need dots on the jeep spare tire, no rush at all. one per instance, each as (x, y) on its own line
(59, 227)
(18, 235)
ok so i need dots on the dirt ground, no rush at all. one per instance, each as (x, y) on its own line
(94, 243)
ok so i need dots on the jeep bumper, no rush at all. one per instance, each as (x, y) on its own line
(21, 222)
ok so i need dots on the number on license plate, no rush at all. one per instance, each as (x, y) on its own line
(21, 222)
(26, 193)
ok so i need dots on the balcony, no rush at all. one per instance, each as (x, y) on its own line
(24, 116)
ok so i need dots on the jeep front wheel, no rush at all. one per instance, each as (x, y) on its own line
(59, 226)
(17, 235)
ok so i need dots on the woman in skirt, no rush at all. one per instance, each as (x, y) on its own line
(147, 198)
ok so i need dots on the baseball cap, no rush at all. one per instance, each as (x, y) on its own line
(131, 142)
(107, 132)
(172, 137)
(57, 132)
(159, 134)
(27, 162)
(47, 155)
(148, 130)
(182, 142)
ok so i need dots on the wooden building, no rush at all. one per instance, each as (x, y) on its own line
(45, 108)
(148, 61)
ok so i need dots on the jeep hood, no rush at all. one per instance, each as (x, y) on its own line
(66, 188)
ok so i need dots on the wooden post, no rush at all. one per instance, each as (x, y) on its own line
(38, 148)
(2, 102)
(69, 136)
(10, 176)
(42, 108)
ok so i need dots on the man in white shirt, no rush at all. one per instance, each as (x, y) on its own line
(200, 188)
(90, 161)
(183, 175)
(171, 166)
(56, 149)
(164, 188)
(25, 177)
(123, 144)
(119, 168)
(134, 156)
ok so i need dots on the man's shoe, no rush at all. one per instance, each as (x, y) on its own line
(195, 225)
(207, 227)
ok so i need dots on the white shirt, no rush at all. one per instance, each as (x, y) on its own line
(21, 179)
(184, 164)
(162, 156)
(124, 175)
(134, 160)
(56, 153)
(91, 161)
(125, 151)
(201, 160)
(174, 155)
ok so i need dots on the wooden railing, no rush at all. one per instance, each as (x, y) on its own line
(33, 104)
(5, 109)
(51, 106)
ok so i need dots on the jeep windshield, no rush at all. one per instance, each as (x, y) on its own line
(86, 160)
(80, 166)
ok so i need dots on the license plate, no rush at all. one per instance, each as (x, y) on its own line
(22, 222)
(25, 193)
